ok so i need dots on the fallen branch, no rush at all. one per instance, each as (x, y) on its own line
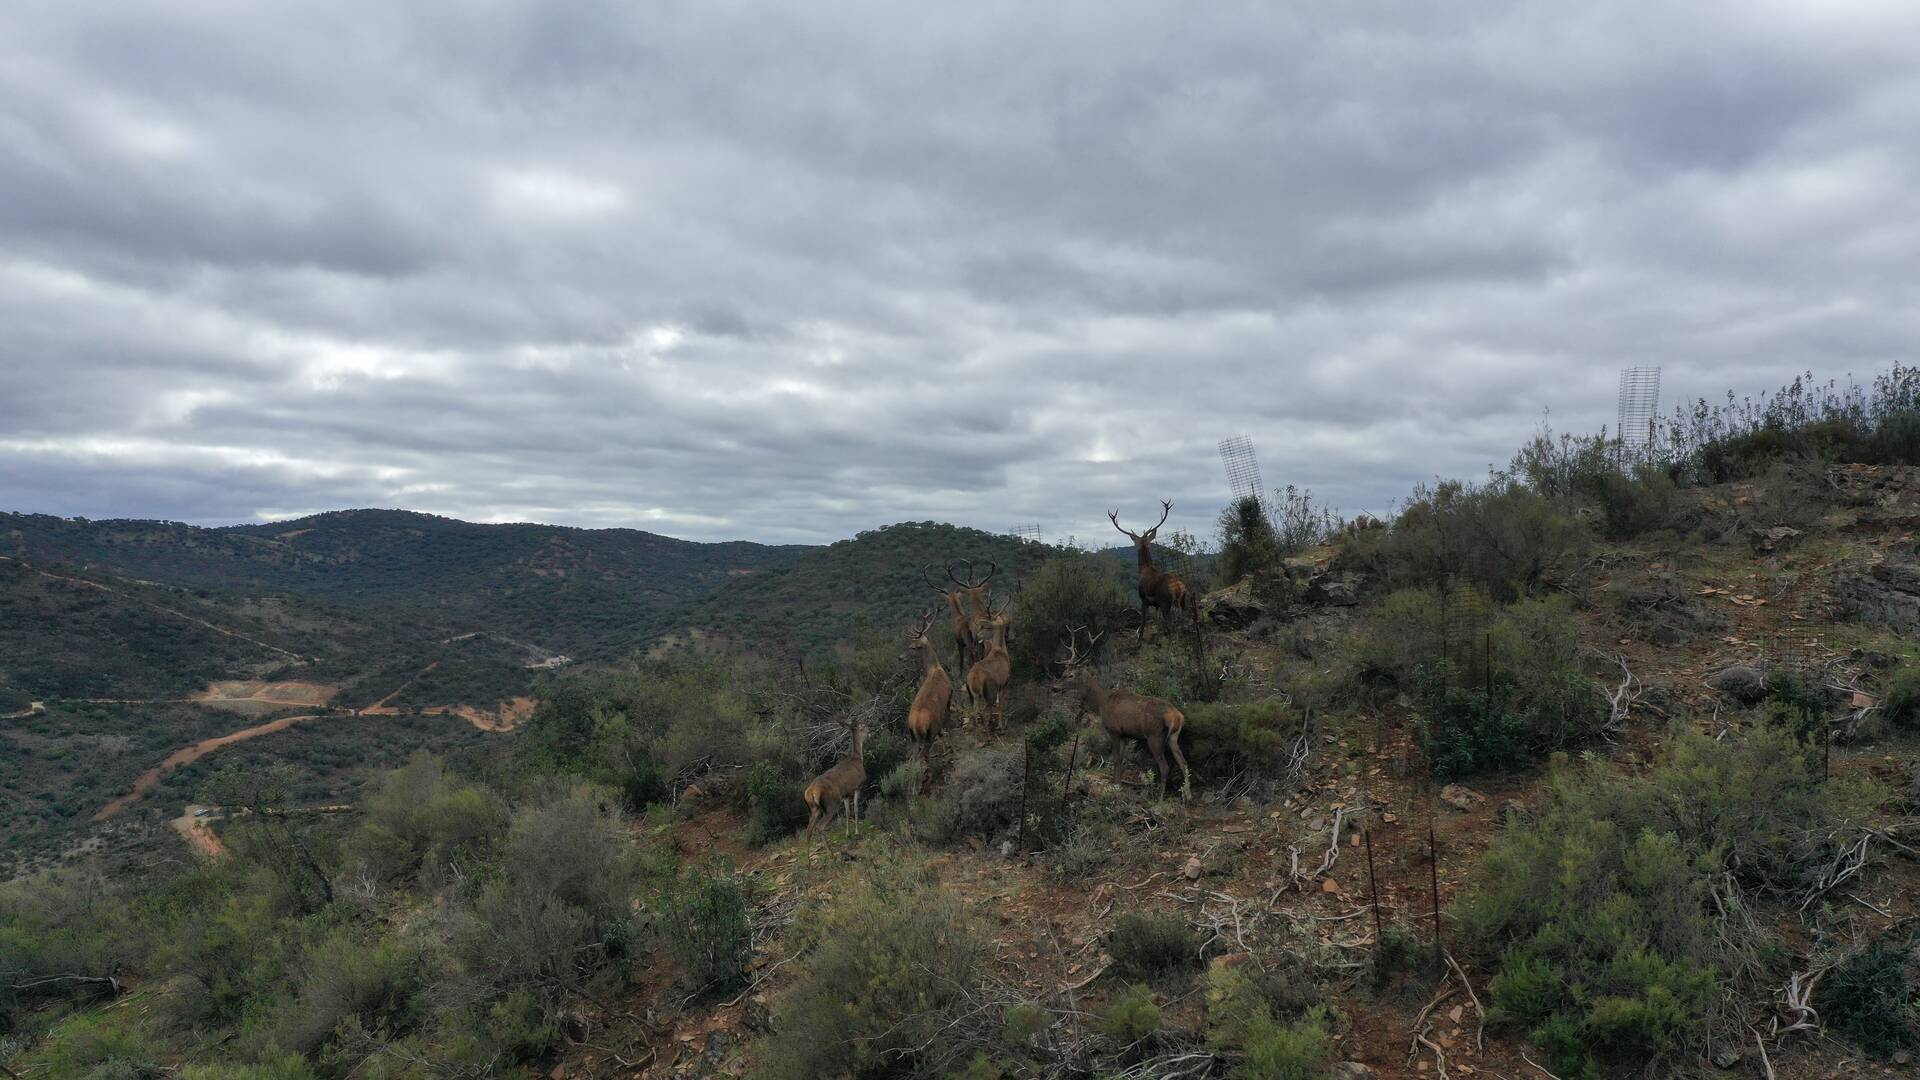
(1479, 1033)
(1537, 1065)
(1098, 971)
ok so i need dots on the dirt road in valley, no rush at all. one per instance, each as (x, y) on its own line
(198, 750)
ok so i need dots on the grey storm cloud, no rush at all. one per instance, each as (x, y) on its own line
(787, 272)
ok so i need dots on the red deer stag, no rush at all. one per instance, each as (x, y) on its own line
(987, 679)
(979, 616)
(838, 787)
(1126, 717)
(1158, 588)
(964, 643)
(928, 713)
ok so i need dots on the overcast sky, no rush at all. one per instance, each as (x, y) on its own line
(789, 271)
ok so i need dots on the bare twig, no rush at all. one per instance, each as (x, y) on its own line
(1480, 1032)
(1537, 1065)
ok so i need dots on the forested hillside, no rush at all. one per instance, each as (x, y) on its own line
(827, 595)
(584, 592)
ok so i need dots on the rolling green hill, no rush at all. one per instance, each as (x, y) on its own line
(590, 593)
(825, 596)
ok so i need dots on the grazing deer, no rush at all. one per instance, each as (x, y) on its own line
(838, 787)
(964, 642)
(1158, 588)
(1125, 716)
(987, 679)
(928, 713)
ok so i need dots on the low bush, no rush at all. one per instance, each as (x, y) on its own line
(774, 809)
(376, 985)
(1501, 536)
(980, 796)
(1131, 1019)
(1279, 1032)
(1874, 997)
(1399, 961)
(1597, 914)
(703, 916)
(1071, 591)
(1147, 945)
(1222, 740)
(1539, 698)
(1297, 1050)
(889, 966)
(1901, 699)
(1627, 497)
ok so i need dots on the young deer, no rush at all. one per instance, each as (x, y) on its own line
(987, 679)
(928, 713)
(965, 644)
(838, 787)
(1158, 588)
(1126, 717)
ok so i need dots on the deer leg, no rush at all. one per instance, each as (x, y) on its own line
(813, 816)
(1156, 746)
(1186, 774)
(856, 812)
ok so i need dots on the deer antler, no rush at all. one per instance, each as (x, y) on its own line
(920, 629)
(1114, 516)
(931, 584)
(992, 569)
(1075, 658)
(1166, 507)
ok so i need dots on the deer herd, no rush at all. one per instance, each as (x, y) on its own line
(980, 632)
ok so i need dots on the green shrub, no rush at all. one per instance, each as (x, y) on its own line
(1901, 699)
(1024, 1021)
(1398, 957)
(1299, 1050)
(1600, 911)
(1132, 1018)
(1539, 700)
(1279, 1031)
(774, 808)
(1629, 498)
(1872, 997)
(1222, 740)
(1465, 729)
(889, 972)
(103, 1045)
(1070, 591)
(1501, 536)
(704, 918)
(1148, 945)
(1247, 541)
(375, 984)
(980, 797)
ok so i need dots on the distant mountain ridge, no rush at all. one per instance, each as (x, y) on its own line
(582, 591)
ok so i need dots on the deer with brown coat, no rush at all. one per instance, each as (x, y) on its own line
(965, 644)
(1125, 716)
(838, 787)
(1158, 588)
(987, 679)
(928, 713)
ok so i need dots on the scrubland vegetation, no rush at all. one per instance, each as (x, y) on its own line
(1684, 675)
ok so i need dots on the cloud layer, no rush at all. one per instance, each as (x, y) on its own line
(783, 273)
